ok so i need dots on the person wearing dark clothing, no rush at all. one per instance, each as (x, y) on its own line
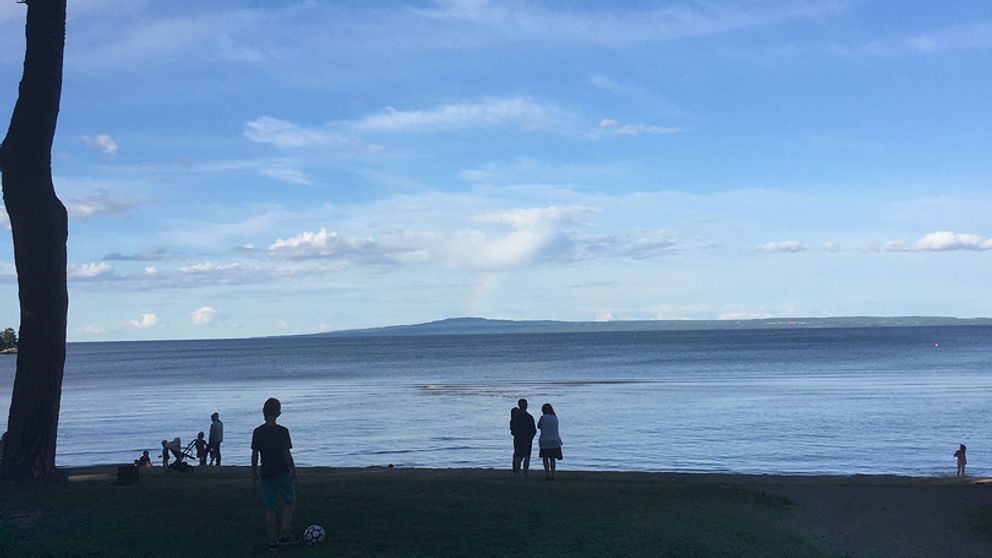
(523, 430)
(201, 449)
(215, 439)
(272, 443)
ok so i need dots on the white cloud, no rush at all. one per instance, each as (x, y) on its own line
(281, 133)
(607, 83)
(940, 241)
(518, 111)
(517, 21)
(146, 256)
(535, 231)
(972, 35)
(151, 270)
(89, 270)
(209, 267)
(783, 246)
(290, 176)
(94, 329)
(4, 219)
(610, 127)
(636, 245)
(320, 244)
(203, 315)
(604, 317)
(103, 142)
(146, 321)
(95, 206)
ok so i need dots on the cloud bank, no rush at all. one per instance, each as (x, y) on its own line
(941, 241)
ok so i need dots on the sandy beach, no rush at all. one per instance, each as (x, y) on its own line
(864, 516)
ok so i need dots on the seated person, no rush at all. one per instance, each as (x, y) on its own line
(144, 461)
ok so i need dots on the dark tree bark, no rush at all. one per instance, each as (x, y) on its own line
(40, 228)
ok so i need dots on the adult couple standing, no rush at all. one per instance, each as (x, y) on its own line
(523, 430)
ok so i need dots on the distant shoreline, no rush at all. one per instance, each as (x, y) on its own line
(484, 326)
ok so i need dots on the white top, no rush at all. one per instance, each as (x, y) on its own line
(216, 432)
(548, 425)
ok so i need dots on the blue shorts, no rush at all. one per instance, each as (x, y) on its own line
(281, 486)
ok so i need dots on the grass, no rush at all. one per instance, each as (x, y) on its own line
(398, 513)
(982, 521)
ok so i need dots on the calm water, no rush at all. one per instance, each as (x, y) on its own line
(873, 400)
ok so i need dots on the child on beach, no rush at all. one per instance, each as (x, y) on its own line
(271, 442)
(962, 459)
(144, 461)
(201, 448)
(174, 447)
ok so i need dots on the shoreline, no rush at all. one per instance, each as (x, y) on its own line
(858, 479)
(227, 471)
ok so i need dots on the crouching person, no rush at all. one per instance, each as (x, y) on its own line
(271, 442)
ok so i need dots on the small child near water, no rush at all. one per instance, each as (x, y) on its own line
(962, 459)
(144, 461)
(201, 449)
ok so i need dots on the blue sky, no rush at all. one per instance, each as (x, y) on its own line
(235, 169)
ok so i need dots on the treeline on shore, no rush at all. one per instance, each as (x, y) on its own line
(8, 341)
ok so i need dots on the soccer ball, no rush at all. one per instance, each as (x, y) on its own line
(314, 534)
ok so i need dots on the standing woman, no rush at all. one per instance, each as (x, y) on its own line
(550, 441)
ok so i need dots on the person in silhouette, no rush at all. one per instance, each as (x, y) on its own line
(144, 461)
(523, 430)
(201, 448)
(550, 441)
(962, 459)
(175, 448)
(216, 437)
(272, 443)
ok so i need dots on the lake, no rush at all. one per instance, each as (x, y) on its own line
(803, 401)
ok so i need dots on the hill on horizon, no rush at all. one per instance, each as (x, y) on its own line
(482, 326)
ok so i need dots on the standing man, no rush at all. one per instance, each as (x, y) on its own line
(272, 442)
(216, 437)
(523, 430)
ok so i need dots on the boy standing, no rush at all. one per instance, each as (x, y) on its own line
(216, 437)
(272, 442)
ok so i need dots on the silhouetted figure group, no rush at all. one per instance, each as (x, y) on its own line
(200, 449)
(523, 429)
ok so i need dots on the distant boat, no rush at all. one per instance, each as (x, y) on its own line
(10, 351)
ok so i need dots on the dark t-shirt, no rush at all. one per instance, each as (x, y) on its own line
(272, 441)
(522, 426)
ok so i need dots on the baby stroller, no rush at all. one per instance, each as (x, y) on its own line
(175, 447)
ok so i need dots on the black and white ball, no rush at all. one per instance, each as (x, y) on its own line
(314, 534)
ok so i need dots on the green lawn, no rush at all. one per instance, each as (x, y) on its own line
(398, 513)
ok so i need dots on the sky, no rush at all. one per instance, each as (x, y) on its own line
(248, 168)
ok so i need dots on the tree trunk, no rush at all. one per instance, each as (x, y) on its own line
(40, 228)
